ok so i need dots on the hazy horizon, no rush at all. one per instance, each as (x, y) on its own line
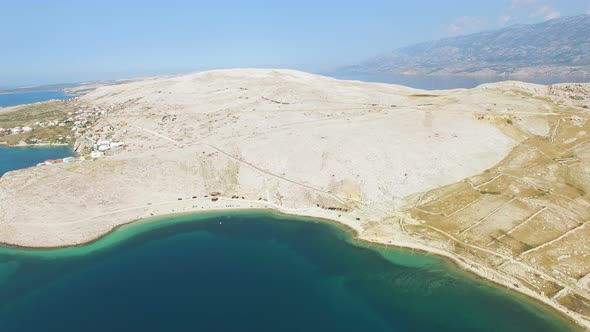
(112, 40)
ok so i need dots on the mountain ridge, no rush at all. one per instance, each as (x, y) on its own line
(555, 47)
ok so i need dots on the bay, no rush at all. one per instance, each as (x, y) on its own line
(12, 158)
(250, 271)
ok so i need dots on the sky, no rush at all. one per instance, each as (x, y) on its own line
(59, 41)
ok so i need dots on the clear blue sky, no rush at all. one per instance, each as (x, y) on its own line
(71, 41)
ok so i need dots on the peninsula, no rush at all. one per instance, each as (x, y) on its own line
(495, 178)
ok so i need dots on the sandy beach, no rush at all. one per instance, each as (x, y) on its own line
(390, 162)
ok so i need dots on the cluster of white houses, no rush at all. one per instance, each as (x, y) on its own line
(26, 129)
(62, 160)
(83, 119)
(93, 155)
(14, 131)
(104, 145)
(78, 121)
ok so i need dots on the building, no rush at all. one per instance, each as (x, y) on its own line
(27, 129)
(116, 144)
(96, 154)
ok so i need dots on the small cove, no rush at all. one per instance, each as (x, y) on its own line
(17, 157)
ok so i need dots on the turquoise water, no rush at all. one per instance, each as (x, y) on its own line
(249, 271)
(12, 158)
(19, 98)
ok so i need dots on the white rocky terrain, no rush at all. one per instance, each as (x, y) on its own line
(374, 157)
(293, 138)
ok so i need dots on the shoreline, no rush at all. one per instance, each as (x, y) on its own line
(35, 91)
(33, 145)
(9, 108)
(474, 269)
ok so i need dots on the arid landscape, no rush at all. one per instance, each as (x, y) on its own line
(496, 178)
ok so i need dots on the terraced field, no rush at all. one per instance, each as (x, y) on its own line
(527, 216)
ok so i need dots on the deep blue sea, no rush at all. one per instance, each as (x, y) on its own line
(250, 271)
(13, 99)
(12, 158)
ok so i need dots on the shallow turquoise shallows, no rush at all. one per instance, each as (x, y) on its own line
(250, 271)
(19, 98)
(12, 158)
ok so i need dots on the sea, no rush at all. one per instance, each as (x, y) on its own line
(250, 271)
(12, 158)
(18, 98)
(431, 82)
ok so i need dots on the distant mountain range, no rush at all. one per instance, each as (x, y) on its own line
(555, 47)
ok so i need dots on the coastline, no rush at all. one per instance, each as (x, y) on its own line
(64, 96)
(348, 161)
(35, 144)
(36, 91)
(205, 206)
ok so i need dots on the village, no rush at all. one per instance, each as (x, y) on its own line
(95, 143)
(63, 127)
(66, 127)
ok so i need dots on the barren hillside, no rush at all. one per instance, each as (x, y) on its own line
(496, 177)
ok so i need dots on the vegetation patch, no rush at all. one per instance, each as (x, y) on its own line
(28, 114)
(424, 95)
(490, 192)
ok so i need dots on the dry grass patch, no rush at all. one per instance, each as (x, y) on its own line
(569, 254)
(505, 185)
(576, 303)
(450, 204)
(544, 227)
(571, 132)
(472, 214)
(531, 278)
(501, 222)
